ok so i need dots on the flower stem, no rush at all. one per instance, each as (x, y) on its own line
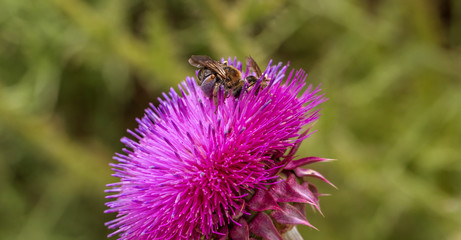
(293, 234)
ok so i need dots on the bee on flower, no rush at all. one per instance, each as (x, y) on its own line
(218, 159)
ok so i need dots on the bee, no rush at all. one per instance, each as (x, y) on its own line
(253, 79)
(213, 75)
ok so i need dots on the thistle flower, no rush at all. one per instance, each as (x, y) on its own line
(200, 171)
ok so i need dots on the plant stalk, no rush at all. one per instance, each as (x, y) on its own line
(293, 234)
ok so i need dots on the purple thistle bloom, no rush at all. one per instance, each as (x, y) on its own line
(200, 171)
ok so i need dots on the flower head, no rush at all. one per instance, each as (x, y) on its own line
(197, 170)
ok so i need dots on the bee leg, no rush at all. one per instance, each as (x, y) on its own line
(208, 85)
(215, 96)
(226, 93)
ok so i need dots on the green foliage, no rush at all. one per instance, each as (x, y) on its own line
(74, 74)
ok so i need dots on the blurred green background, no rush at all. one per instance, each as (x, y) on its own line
(75, 74)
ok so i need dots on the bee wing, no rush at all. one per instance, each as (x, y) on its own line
(251, 63)
(218, 68)
(201, 61)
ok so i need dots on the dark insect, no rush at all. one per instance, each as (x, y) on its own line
(213, 75)
(253, 79)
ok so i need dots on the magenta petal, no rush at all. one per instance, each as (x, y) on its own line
(262, 201)
(303, 191)
(283, 192)
(239, 209)
(290, 191)
(316, 193)
(290, 215)
(305, 172)
(223, 233)
(240, 232)
(301, 207)
(304, 161)
(263, 226)
(313, 190)
(295, 148)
